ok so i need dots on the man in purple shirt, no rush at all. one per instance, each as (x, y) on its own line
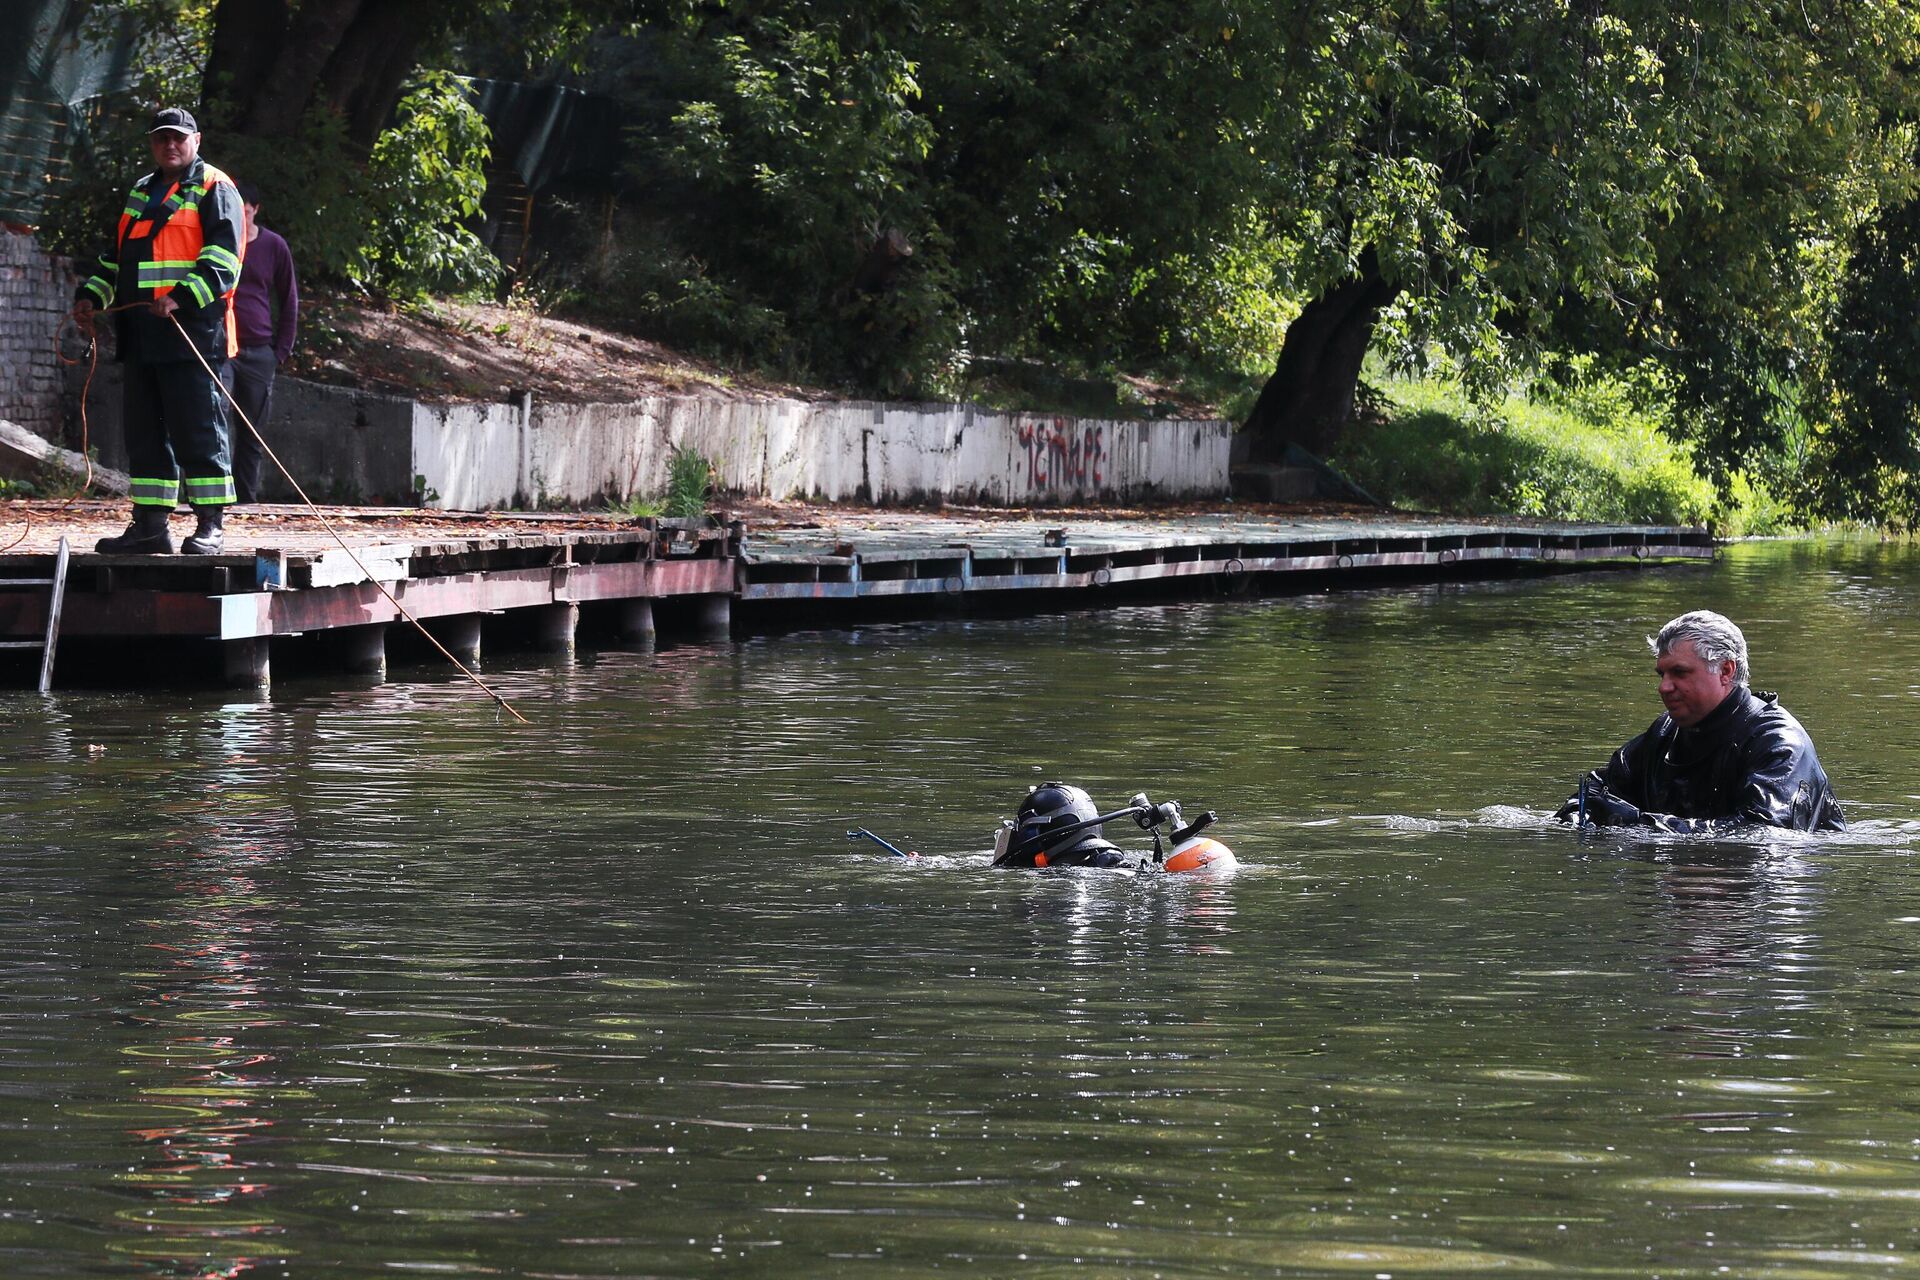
(266, 307)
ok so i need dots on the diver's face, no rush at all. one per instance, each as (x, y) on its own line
(1691, 687)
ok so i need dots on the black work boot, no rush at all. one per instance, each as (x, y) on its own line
(147, 535)
(205, 539)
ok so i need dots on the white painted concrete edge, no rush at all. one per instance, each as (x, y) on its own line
(531, 454)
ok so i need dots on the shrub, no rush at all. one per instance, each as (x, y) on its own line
(1591, 455)
(688, 477)
(425, 179)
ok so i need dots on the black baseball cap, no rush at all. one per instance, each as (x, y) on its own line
(173, 120)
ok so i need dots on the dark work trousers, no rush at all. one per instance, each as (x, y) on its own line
(250, 377)
(176, 427)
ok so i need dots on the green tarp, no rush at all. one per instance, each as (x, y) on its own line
(55, 66)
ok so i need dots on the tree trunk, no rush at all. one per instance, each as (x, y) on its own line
(364, 76)
(1309, 398)
(247, 35)
(269, 65)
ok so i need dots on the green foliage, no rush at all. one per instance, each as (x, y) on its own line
(313, 186)
(173, 42)
(80, 216)
(689, 476)
(1166, 186)
(781, 161)
(1749, 509)
(45, 480)
(670, 294)
(1644, 179)
(1592, 453)
(872, 198)
(1868, 454)
(395, 222)
(425, 179)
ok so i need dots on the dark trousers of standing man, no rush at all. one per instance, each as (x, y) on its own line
(176, 428)
(249, 376)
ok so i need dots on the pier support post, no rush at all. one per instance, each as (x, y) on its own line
(460, 632)
(553, 627)
(713, 617)
(636, 622)
(366, 649)
(245, 663)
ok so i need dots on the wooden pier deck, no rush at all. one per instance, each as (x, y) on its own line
(282, 576)
(898, 555)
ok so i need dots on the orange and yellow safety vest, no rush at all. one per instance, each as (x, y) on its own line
(163, 239)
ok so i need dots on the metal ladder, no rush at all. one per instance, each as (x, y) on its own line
(56, 596)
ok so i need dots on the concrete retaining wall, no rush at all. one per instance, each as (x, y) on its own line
(36, 293)
(479, 456)
(361, 447)
(345, 446)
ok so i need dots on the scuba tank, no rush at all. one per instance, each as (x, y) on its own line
(1191, 850)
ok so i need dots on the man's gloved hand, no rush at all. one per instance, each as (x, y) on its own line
(1570, 811)
(1605, 809)
(1601, 807)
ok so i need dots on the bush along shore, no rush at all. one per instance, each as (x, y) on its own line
(1595, 451)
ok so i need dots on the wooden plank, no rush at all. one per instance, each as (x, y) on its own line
(361, 603)
(383, 562)
(691, 577)
(139, 613)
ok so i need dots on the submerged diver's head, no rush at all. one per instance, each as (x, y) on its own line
(1052, 807)
(1701, 657)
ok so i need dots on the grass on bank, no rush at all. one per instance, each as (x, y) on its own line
(1593, 454)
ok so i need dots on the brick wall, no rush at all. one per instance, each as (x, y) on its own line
(36, 290)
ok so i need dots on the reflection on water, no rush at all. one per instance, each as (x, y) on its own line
(200, 1080)
(200, 1071)
(370, 982)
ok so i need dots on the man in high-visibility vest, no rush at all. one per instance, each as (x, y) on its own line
(177, 254)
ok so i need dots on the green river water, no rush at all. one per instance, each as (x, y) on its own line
(372, 982)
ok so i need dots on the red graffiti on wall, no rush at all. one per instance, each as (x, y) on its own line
(1059, 455)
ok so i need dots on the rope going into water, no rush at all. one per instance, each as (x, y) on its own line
(326, 524)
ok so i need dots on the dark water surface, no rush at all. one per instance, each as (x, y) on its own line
(370, 982)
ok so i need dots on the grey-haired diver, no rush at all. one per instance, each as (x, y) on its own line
(1722, 757)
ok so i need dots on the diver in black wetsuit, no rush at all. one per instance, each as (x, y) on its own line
(1722, 757)
(1056, 827)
